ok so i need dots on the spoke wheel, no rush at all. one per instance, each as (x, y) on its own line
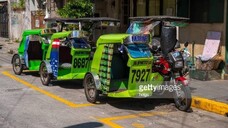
(17, 65)
(182, 97)
(91, 92)
(44, 75)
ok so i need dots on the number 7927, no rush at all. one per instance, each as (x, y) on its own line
(140, 75)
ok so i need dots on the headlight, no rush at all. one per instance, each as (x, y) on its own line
(179, 64)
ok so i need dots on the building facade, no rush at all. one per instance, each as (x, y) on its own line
(18, 15)
(205, 15)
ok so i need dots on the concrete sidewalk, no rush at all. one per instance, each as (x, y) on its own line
(7, 48)
(210, 95)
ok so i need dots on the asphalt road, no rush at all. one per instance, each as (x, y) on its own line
(26, 103)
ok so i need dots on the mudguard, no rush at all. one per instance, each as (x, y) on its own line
(48, 65)
(22, 59)
(183, 80)
(96, 80)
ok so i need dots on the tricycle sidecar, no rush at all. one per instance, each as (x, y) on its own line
(32, 50)
(67, 58)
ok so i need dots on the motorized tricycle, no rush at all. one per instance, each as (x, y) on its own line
(67, 58)
(122, 67)
(32, 50)
(168, 61)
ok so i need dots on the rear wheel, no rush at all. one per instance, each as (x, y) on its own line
(91, 92)
(17, 65)
(44, 75)
(182, 97)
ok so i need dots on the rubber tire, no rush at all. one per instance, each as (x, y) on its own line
(20, 65)
(188, 100)
(48, 77)
(95, 97)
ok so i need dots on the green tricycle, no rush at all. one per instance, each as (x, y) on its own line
(121, 63)
(67, 58)
(32, 50)
(122, 68)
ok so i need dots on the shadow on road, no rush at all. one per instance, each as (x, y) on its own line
(68, 84)
(87, 125)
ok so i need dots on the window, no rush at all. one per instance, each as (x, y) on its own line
(126, 12)
(202, 11)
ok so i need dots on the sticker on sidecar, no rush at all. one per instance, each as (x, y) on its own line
(139, 75)
(80, 62)
(140, 38)
(138, 63)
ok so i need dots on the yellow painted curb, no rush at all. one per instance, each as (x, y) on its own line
(210, 105)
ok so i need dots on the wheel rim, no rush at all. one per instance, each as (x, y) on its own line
(44, 73)
(90, 87)
(17, 64)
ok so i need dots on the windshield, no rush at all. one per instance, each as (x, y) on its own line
(141, 27)
(79, 43)
(138, 50)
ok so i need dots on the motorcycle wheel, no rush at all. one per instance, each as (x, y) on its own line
(91, 92)
(182, 97)
(45, 77)
(17, 65)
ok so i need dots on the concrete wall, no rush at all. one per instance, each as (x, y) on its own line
(198, 33)
(105, 8)
(193, 32)
(20, 20)
(154, 7)
(32, 5)
(169, 7)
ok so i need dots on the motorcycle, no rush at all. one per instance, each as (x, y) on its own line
(167, 60)
(170, 63)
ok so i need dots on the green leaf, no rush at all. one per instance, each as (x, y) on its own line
(76, 9)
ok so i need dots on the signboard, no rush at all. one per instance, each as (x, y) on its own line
(142, 38)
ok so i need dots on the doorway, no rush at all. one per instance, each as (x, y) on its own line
(4, 31)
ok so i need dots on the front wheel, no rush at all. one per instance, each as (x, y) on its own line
(91, 91)
(182, 97)
(17, 65)
(45, 77)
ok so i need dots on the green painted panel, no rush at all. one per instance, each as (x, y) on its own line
(34, 65)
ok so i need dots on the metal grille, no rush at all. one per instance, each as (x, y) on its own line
(4, 20)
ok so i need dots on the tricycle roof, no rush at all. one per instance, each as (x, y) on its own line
(85, 19)
(123, 39)
(112, 38)
(95, 19)
(60, 35)
(40, 32)
(159, 18)
(32, 32)
(53, 19)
